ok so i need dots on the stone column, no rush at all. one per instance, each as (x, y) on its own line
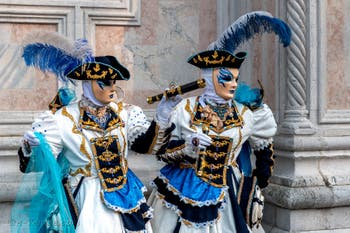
(296, 115)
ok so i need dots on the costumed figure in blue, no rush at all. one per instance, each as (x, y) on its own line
(85, 143)
(208, 184)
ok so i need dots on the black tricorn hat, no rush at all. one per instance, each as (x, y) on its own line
(103, 68)
(217, 58)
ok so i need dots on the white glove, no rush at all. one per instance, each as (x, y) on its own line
(31, 139)
(196, 142)
(165, 108)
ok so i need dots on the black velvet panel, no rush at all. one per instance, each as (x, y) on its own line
(143, 143)
(135, 221)
(264, 164)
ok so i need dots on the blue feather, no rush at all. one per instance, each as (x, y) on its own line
(249, 25)
(246, 95)
(66, 95)
(49, 58)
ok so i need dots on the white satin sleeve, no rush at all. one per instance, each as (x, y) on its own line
(264, 128)
(46, 125)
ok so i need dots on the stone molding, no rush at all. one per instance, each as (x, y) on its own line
(326, 116)
(314, 143)
(73, 18)
(308, 197)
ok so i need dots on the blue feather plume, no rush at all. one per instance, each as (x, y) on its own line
(249, 25)
(49, 58)
(252, 97)
(56, 54)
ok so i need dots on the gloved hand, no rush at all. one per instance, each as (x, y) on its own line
(195, 142)
(30, 137)
(29, 141)
(165, 107)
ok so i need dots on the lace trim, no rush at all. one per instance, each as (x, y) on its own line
(135, 134)
(189, 200)
(260, 144)
(187, 222)
(123, 210)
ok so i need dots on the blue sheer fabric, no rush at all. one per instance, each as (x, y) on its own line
(128, 198)
(189, 186)
(41, 204)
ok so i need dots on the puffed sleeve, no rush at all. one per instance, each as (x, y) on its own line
(261, 141)
(46, 125)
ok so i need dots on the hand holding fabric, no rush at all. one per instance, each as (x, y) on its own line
(29, 141)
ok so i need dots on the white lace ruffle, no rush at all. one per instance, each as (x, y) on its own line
(186, 221)
(258, 143)
(186, 199)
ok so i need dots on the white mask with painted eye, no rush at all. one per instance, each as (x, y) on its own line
(225, 82)
(212, 92)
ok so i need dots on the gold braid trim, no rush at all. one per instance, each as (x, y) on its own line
(175, 148)
(87, 170)
(251, 199)
(188, 109)
(272, 158)
(240, 190)
(244, 109)
(154, 140)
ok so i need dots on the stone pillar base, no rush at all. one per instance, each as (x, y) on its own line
(326, 220)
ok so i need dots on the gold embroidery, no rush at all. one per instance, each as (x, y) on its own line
(154, 140)
(96, 76)
(214, 155)
(188, 108)
(104, 146)
(115, 180)
(111, 170)
(83, 150)
(96, 68)
(213, 62)
(209, 176)
(212, 166)
(175, 148)
(107, 156)
(210, 120)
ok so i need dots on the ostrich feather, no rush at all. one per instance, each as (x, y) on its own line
(55, 53)
(249, 25)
